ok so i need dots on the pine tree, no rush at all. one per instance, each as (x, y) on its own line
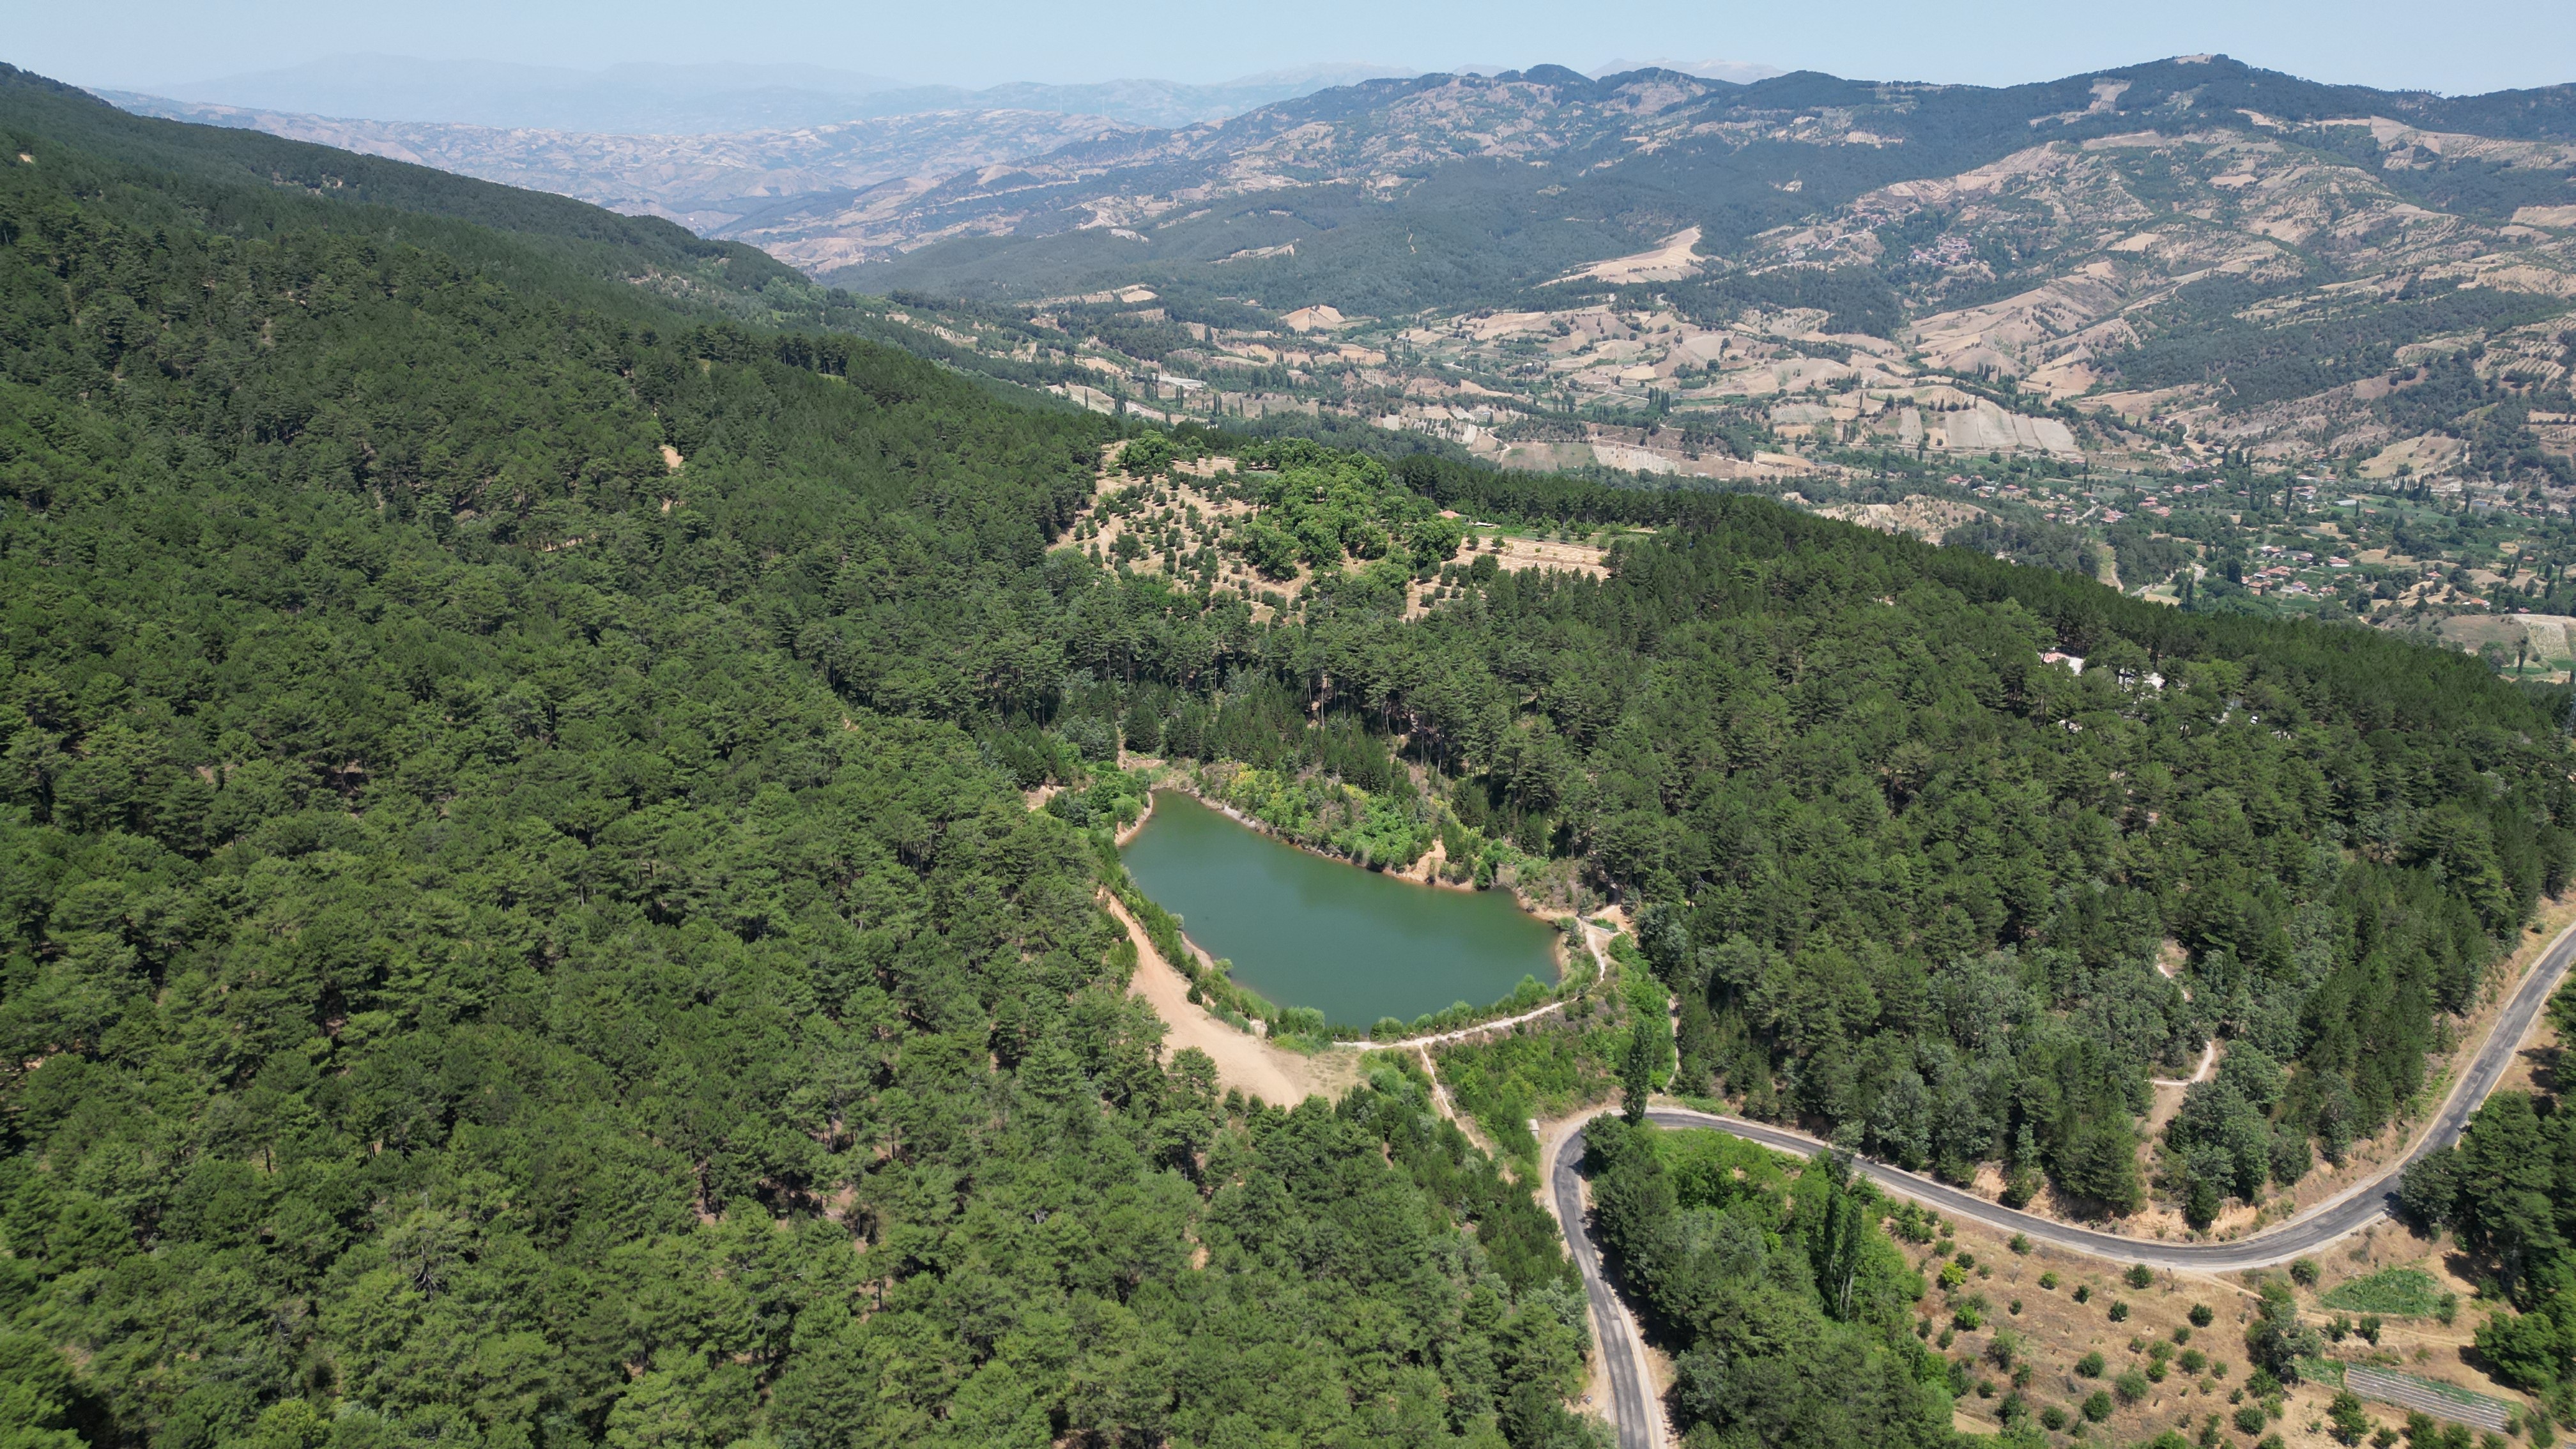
(1636, 1073)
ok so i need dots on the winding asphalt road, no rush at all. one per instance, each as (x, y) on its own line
(1631, 1409)
(1633, 1413)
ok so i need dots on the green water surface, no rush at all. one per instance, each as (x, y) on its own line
(1307, 931)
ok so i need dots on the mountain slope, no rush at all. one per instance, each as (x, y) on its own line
(248, 182)
(1640, 156)
(2143, 267)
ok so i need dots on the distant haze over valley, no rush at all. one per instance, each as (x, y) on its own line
(649, 99)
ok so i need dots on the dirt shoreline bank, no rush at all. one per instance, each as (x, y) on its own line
(1244, 1062)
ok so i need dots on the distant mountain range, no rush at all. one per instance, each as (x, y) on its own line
(2190, 248)
(1393, 195)
(696, 100)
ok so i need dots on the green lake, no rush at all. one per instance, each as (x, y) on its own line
(1304, 930)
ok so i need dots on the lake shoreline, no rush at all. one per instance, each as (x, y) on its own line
(1554, 947)
(1419, 873)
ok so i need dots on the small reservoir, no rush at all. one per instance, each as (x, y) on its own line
(1304, 930)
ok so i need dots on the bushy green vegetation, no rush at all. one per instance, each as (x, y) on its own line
(1790, 1307)
(1531, 1073)
(2405, 1292)
(1319, 508)
(1374, 830)
(1695, 728)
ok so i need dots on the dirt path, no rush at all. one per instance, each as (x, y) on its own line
(1441, 1103)
(2208, 1060)
(1415, 1043)
(1274, 1074)
(1595, 940)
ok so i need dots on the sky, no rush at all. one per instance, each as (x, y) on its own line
(2453, 46)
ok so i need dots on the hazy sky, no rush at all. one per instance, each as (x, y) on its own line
(2449, 45)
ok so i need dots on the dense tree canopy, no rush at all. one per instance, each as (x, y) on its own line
(470, 976)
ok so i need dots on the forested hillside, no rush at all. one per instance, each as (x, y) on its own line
(522, 929)
(467, 981)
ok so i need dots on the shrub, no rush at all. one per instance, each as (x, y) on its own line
(2193, 1360)
(2021, 1243)
(2090, 1365)
(2249, 1419)
(2083, 1293)
(2303, 1271)
(2119, 1312)
(2201, 1314)
(2140, 1275)
(2181, 1336)
(1910, 1222)
(1299, 1021)
(2048, 1281)
(2052, 1418)
(2131, 1385)
(2097, 1406)
(2403, 1291)
(2348, 1419)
